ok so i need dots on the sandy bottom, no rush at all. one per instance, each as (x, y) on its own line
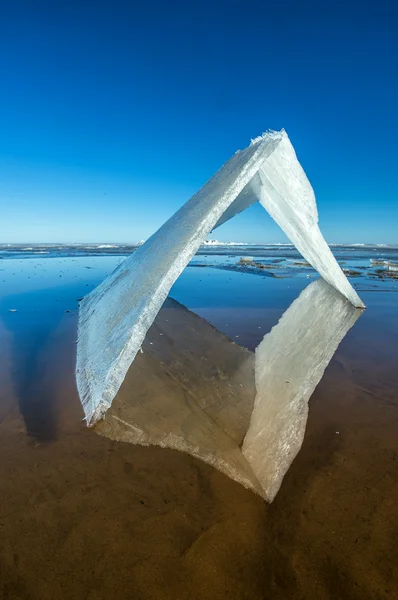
(84, 517)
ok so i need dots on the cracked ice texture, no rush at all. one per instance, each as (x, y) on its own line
(114, 318)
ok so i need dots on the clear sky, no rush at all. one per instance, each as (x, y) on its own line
(112, 114)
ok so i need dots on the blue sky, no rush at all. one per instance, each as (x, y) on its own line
(113, 114)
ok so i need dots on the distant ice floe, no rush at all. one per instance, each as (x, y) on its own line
(217, 243)
(114, 318)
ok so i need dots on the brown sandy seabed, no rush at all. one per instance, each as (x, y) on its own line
(83, 517)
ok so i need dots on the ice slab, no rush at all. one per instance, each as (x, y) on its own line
(114, 318)
(285, 192)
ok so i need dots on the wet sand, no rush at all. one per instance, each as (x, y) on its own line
(82, 516)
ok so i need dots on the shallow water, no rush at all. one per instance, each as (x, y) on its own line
(111, 520)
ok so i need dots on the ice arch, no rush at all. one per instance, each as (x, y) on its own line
(114, 318)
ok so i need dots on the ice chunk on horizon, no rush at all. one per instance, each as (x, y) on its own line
(114, 318)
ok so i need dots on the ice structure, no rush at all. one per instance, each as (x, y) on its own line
(114, 318)
(243, 413)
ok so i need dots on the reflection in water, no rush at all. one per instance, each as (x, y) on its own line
(32, 366)
(290, 362)
(193, 390)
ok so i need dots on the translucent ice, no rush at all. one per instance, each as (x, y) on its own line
(115, 317)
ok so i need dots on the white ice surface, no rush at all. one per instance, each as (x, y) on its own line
(114, 318)
(285, 192)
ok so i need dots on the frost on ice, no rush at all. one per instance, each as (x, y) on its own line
(115, 317)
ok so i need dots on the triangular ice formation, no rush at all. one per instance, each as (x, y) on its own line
(115, 317)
